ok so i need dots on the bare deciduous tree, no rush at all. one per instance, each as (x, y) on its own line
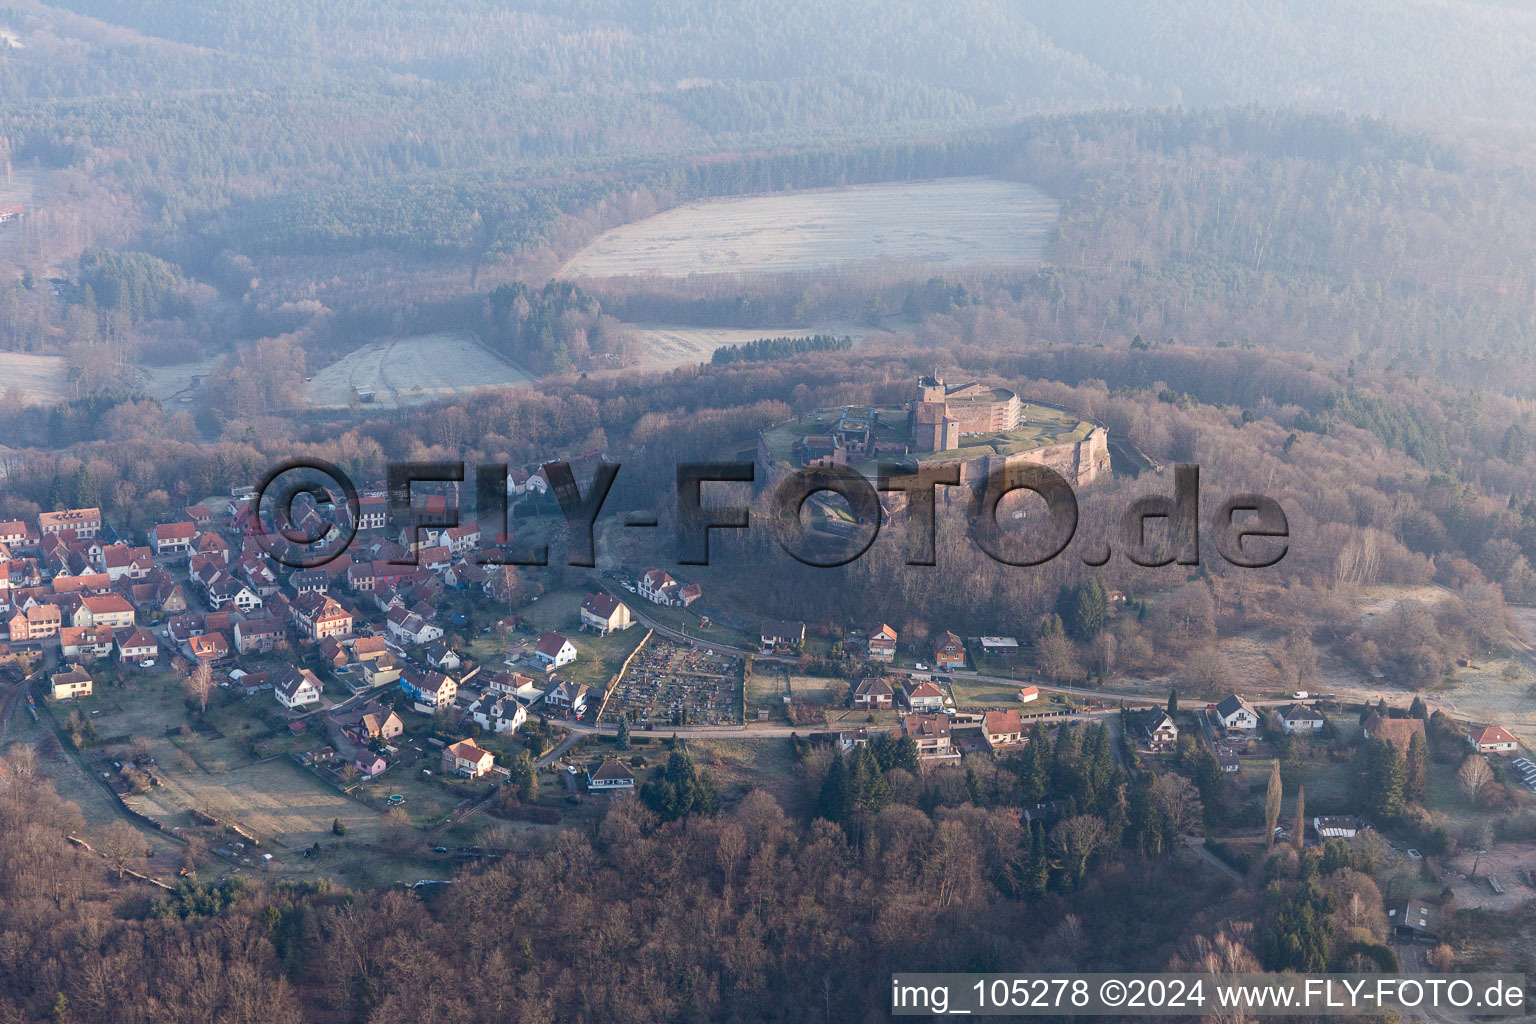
(1474, 774)
(120, 845)
(199, 686)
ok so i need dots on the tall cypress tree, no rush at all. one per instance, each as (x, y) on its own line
(835, 790)
(1273, 794)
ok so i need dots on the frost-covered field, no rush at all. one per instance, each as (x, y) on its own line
(950, 221)
(407, 371)
(40, 379)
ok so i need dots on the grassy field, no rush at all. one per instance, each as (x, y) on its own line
(409, 371)
(740, 766)
(168, 382)
(667, 346)
(951, 221)
(39, 379)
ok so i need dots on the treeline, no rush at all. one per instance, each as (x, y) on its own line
(760, 349)
(553, 329)
(143, 286)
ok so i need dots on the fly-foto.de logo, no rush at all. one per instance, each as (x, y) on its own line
(1248, 530)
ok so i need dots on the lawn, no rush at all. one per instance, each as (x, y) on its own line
(1326, 782)
(970, 692)
(599, 657)
(827, 692)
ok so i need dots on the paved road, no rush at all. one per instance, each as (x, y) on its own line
(637, 610)
(1413, 958)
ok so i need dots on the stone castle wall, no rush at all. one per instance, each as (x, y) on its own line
(1080, 463)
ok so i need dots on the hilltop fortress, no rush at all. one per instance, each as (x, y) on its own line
(984, 428)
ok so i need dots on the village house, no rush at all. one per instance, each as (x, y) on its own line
(72, 683)
(36, 622)
(882, 644)
(428, 687)
(1493, 739)
(658, 587)
(372, 513)
(1002, 729)
(930, 733)
(1158, 729)
(13, 535)
(436, 559)
(849, 740)
(923, 697)
(213, 546)
(464, 758)
(368, 764)
(369, 648)
(138, 647)
(309, 581)
(410, 628)
(604, 614)
(612, 775)
(84, 522)
(554, 651)
(320, 616)
(873, 693)
(525, 688)
(372, 721)
(778, 634)
(120, 560)
(1028, 694)
(295, 687)
(173, 538)
(183, 627)
(442, 657)
(361, 578)
(568, 696)
(462, 575)
(258, 635)
(381, 671)
(1235, 713)
(1336, 826)
(250, 683)
(1414, 921)
(1397, 731)
(109, 610)
(498, 714)
(462, 538)
(86, 641)
(210, 649)
(228, 592)
(331, 654)
(1299, 718)
(948, 651)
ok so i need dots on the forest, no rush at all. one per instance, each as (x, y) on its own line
(748, 912)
